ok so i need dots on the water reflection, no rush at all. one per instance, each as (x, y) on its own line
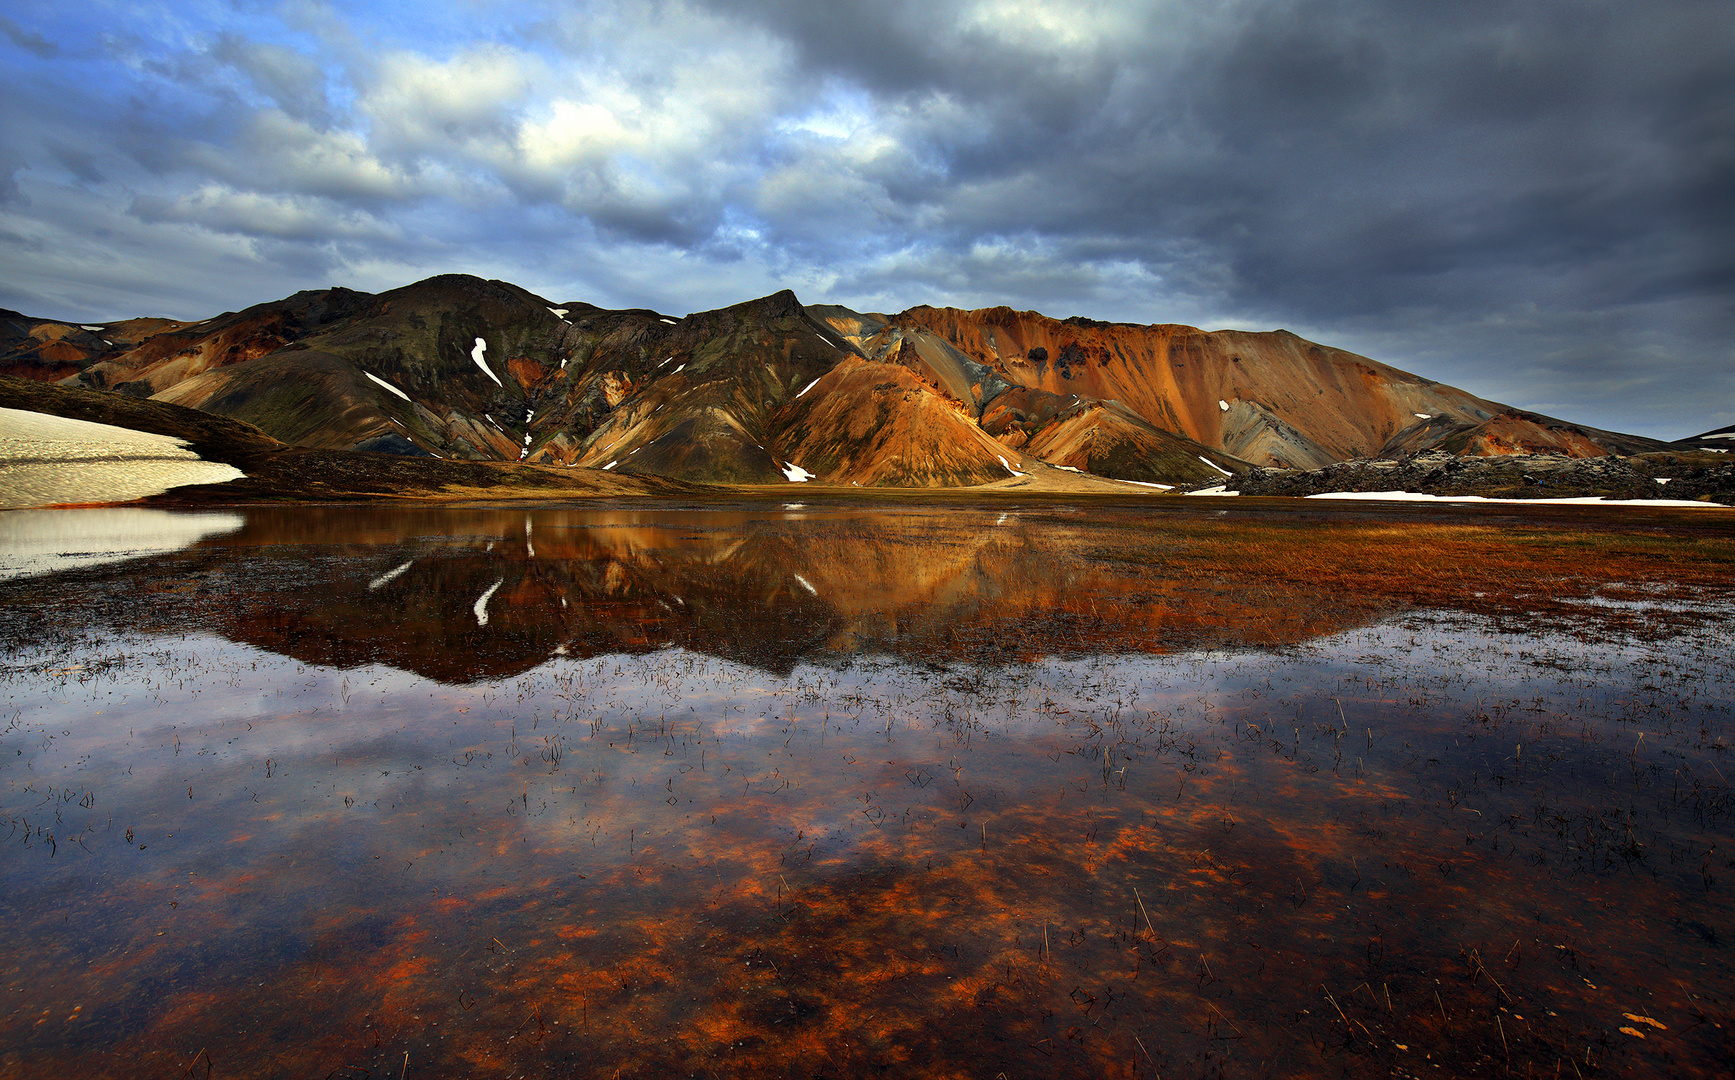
(713, 836)
(38, 542)
(463, 596)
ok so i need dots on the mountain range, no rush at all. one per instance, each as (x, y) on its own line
(772, 390)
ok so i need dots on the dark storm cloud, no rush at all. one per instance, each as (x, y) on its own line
(1342, 156)
(1543, 170)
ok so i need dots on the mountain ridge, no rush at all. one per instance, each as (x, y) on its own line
(771, 390)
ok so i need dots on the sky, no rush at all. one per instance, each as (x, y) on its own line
(1533, 199)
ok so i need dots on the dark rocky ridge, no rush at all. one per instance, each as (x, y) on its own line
(1684, 476)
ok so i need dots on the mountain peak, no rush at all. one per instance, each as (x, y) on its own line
(781, 304)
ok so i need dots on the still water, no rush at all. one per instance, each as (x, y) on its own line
(789, 791)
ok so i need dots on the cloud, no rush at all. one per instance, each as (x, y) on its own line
(246, 213)
(291, 81)
(1513, 199)
(29, 42)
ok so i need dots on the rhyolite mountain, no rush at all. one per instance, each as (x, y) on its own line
(772, 390)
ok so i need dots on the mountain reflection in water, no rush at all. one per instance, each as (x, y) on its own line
(461, 596)
(833, 792)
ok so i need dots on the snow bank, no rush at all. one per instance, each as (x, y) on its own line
(1218, 490)
(387, 385)
(1214, 465)
(808, 387)
(51, 460)
(795, 474)
(476, 355)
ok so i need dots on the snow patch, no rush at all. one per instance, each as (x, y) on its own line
(559, 312)
(1214, 465)
(387, 385)
(481, 608)
(1223, 405)
(1069, 468)
(476, 355)
(1218, 490)
(1009, 468)
(93, 329)
(678, 370)
(47, 460)
(671, 322)
(1421, 416)
(806, 585)
(795, 474)
(1722, 435)
(1147, 483)
(610, 465)
(809, 386)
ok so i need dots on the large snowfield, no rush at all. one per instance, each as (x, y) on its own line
(55, 461)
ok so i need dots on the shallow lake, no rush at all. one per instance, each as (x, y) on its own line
(776, 789)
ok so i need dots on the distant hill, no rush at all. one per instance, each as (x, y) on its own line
(459, 368)
(1722, 440)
